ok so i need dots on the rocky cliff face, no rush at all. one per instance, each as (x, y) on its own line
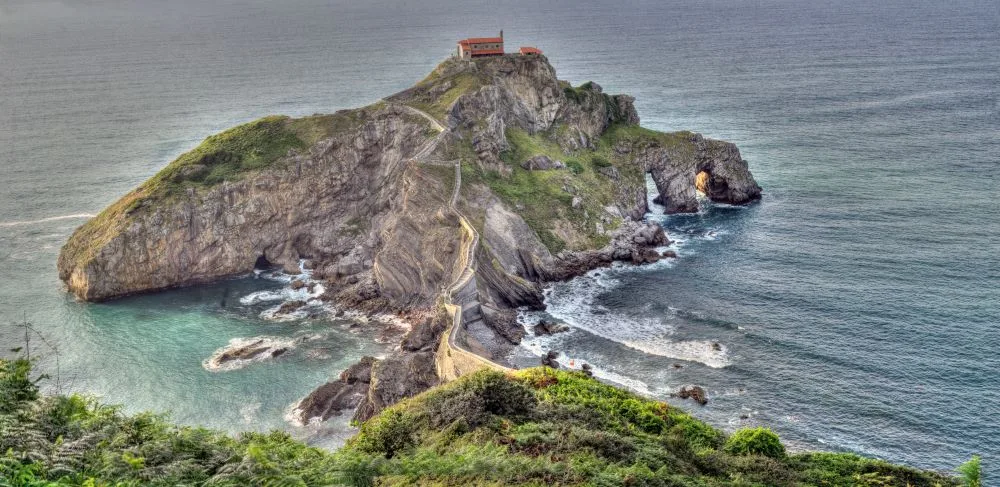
(379, 201)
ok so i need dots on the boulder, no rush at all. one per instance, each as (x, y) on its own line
(242, 351)
(549, 359)
(548, 327)
(290, 307)
(693, 392)
(334, 397)
(542, 163)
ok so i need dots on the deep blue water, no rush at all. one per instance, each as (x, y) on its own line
(856, 305)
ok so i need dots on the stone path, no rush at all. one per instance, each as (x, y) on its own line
(462, 296)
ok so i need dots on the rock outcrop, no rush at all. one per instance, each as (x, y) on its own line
(332, 398)
(243, 351)
(711, 166)
(393, 203)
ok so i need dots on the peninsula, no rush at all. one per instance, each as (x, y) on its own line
(450, 204)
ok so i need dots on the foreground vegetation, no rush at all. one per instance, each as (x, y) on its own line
(536, 427)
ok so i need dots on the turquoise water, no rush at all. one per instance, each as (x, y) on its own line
(856, 306)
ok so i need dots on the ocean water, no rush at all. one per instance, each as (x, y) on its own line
(855, 308)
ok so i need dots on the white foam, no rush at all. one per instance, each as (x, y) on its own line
(288, 294)
(574, 302)
(43, 220)
(250, 412)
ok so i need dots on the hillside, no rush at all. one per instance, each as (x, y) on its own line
(535, 427)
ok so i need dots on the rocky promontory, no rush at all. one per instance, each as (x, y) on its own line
(491, 173)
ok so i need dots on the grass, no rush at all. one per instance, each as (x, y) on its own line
(545, 427)
(540, 198)
(531, 428)
(438, 105)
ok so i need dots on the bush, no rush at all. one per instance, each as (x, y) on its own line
(476, 399)
(600, 161)
(16, 387)
(972, 472)
(575, 167)
(388, 433)
(755, 441)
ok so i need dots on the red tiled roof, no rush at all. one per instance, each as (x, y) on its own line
(487, 51)
(481, 40)
(530, 50)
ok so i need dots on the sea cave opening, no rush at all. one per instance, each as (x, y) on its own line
(262, 263)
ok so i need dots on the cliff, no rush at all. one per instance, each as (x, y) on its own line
(492, 173)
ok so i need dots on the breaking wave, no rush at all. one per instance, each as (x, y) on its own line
(44, 220)
(575, 303)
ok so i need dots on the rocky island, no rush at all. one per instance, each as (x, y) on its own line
(449, 204)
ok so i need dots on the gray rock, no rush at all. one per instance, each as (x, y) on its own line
(549, 359)
(541, 163)
(549, 327)
(695, 393)
(725, 176)
(335, 397)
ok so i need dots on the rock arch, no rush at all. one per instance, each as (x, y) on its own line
(711, 166)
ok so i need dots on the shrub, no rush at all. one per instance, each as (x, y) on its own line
(16, 387)
(972, 472)
(479, 397)
(755, 441)
(386, 434)
(575, 167)
(600, 161)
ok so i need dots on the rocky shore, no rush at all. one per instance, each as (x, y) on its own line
(376, 203)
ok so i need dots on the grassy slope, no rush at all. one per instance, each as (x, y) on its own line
(536, 427)
(228, 156)
(545, 427)
(539, 195)
(438, 91)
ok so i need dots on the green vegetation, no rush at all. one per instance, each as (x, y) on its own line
(436, 93)
(535, 427)
(72, 440)
(972, 472)
(546, 427)
(755, 441)
(545, 198)
(577, 94)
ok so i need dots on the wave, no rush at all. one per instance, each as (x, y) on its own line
(539, 345)
(44, 220)
(575, 303)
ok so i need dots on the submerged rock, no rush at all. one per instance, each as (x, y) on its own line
(242, 351)
(693, 392)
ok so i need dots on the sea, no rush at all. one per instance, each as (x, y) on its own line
(855, 308)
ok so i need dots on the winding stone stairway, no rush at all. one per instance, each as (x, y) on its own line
(455, 356)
